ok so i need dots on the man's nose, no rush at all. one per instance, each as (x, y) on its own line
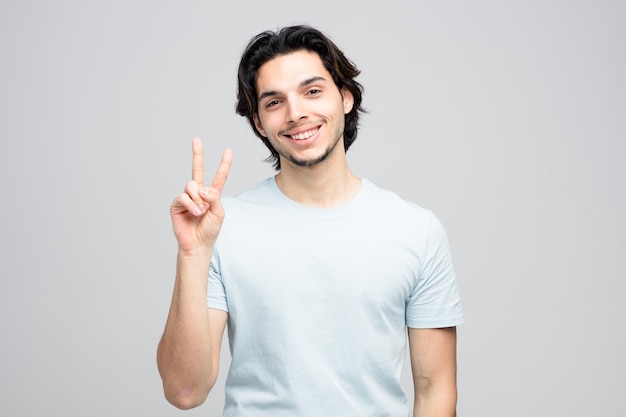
(296, 110)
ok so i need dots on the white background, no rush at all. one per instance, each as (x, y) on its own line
(505, 118)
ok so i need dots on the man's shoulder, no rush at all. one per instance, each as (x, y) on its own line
(390, 200)
(260, 194)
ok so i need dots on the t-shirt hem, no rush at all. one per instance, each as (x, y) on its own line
(218, 307)
(435, 324)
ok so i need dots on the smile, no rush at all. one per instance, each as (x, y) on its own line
(304, 135)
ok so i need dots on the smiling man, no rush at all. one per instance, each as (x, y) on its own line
(313, 104)
(318, 274)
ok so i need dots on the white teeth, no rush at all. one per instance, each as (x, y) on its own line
(304, 135)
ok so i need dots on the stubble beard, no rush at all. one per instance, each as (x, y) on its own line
(311, 162)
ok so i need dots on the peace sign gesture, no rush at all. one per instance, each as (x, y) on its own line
(197, 214)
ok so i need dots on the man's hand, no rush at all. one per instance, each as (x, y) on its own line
(197, 213)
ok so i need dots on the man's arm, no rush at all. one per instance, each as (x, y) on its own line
(433, 362)
(189, 351)
(188, 354)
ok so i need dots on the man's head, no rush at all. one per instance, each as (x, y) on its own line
(270, 45)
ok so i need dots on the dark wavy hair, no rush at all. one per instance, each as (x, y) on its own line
(268, 45)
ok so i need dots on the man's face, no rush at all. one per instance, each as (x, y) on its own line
(301, 110)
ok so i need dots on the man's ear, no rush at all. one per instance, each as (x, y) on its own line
(348, 100)
(257, 124)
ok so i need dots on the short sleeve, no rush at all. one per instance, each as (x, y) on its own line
(216, 293)
(434, 301)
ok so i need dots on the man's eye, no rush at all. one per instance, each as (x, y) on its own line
(314, 91)
(272, 103)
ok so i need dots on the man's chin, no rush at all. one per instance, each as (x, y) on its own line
(308, 162)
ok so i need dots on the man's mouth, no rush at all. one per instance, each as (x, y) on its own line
(304, 135)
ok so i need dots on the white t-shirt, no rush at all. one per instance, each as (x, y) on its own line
(319, 300)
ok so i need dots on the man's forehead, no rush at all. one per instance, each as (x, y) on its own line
(291, 70)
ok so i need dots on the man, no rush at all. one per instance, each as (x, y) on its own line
(317, 272)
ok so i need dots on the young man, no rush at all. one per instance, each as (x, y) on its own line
(317, 272)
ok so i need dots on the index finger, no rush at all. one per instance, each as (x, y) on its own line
(197, 163)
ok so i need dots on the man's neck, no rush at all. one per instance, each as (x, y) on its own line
(324, 185)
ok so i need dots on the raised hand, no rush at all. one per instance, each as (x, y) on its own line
(197, 213)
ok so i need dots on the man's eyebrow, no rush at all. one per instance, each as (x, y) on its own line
(267, 94)
(302, 84)
(311, 80)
